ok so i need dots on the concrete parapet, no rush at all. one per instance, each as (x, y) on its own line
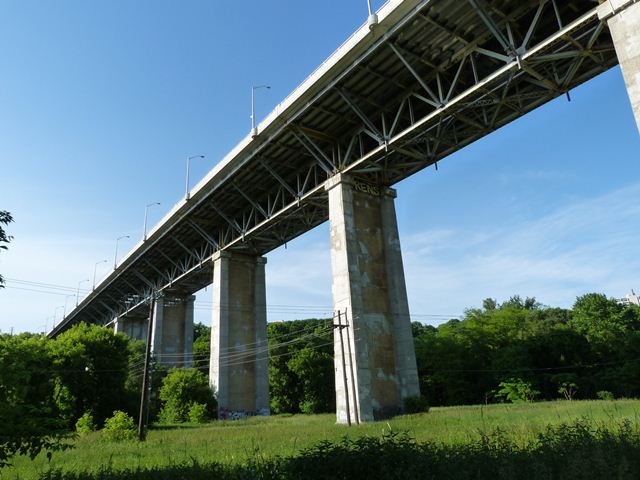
(368, 284)
(238, 370)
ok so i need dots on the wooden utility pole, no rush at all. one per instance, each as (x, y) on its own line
(344, 368)
(356, 409)
(144, 395)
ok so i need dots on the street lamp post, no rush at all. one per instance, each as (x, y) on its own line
(254, 130)
(55, 313)
(372, 20)
(78, 291)
(146, 209)
(115, 258)
(66, 299)
(186, 190)
(95, 268)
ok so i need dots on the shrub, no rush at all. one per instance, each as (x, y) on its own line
(120, 427)
(516, 390)
(198, 413)
(180, 389)
(416, 404)
(605, 395)
(85, 423)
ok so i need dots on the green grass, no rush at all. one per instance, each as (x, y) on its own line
(236, 442)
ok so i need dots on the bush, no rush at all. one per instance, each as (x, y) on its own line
(605, 395)
(181, 388)
(416, 404)
(516, 390)
(120, 427)
(198, 413)
(85, 423)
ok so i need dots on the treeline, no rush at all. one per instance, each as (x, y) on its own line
(589, 351)
(519, 349)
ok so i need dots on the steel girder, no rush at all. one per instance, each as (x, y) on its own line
(448, 73)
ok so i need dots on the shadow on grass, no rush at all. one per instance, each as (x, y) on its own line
(579, 450)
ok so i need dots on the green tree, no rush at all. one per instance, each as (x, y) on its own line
(91, 368)
(292, 386)
(603, 320)
(29, 420)
(314, 370)
(5, 219)
(202, 347)
(181, 389)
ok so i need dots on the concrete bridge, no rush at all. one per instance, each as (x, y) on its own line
(420, 80)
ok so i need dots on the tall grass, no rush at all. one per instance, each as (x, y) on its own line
(504, 434)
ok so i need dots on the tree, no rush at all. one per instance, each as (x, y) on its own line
(181, 389)
(315, 371)
(5, 219)
(202, 347)
(301, 366)
(90, 370)
(489, 304)
(28, 415)
(567, 384)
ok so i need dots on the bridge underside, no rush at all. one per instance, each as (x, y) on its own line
(432, 77)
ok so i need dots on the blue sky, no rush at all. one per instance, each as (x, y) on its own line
(102, 101)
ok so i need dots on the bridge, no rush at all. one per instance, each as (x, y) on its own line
(419, 81)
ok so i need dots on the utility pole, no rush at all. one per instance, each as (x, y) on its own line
(344, 368)
(356, 408)
(144, 395)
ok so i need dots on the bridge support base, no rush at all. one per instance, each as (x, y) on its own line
(238, 370)
(624, 24)
(368, 283)
(172, 334)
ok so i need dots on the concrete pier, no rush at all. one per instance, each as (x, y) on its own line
(172, 334)
(623, 18)
(132, 327)
(238, 370)
(368, 284)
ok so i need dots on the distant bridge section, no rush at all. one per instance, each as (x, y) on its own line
(430, 77)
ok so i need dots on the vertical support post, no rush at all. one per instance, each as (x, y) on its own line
(368, 282)
(344, 369)
(172, 337)
(356, 410)
(144, 394)
(623, 18)
(238, 371)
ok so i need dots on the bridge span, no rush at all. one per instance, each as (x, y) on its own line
(419, 81)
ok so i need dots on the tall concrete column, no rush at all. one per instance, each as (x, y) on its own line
(238, 370)
(131, 326)
(623, 18)
(172, 334)
(368, 283)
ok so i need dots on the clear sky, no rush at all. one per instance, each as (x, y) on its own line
(102, 101)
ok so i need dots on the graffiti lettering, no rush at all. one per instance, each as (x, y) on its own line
(360, 186)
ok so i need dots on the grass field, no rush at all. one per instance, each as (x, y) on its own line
(234, 442)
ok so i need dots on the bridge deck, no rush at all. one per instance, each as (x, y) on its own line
(430, 78)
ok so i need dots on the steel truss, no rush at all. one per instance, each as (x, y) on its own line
(447, 74)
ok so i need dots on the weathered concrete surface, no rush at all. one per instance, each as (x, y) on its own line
(624, 25)
(368, 283)
(133, 327)
(172, 334)
(238, 370)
